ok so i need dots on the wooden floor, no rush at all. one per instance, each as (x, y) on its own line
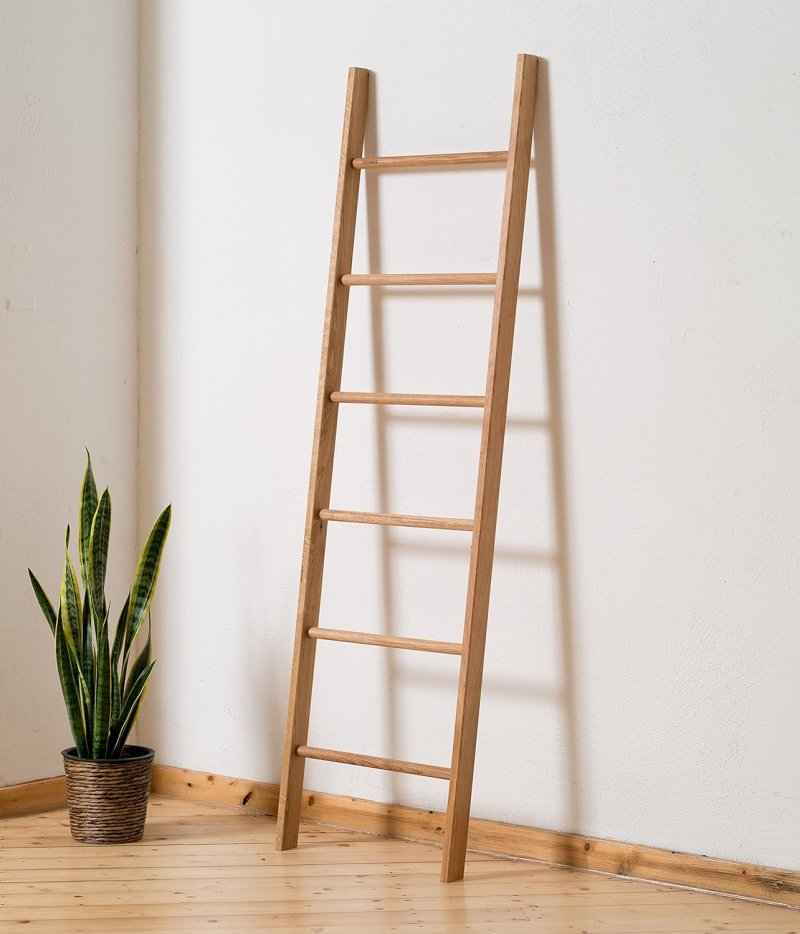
(203, 866)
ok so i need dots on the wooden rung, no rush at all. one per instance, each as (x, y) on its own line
(397, 398)
(389, 642)
(381, 518)
(420, 278)
(431, 160)
(373, 762)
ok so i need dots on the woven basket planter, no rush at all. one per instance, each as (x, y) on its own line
(107, 798)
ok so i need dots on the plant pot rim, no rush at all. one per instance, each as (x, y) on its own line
(132, 754)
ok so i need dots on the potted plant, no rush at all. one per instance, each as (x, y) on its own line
(103, 682)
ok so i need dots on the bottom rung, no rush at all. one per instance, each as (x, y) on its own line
(373, 762)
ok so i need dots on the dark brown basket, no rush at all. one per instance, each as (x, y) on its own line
(107, 798)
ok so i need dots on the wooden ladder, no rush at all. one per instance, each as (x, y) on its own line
(482, 525)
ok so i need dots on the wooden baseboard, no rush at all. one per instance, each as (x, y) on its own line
(623, 859)
(254, 797)
(45, 794)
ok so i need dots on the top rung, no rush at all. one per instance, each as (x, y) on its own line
(432, 160)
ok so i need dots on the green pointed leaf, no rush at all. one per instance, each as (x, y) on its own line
(98, 557)
(88, 663)
(69, 688)
(144, 659)
(130, 710)
(119, 635)
(116, 699)
(71, 610)
(145, 579)
(102, 695)
(88, 506)
(87, 692)
(44, 602)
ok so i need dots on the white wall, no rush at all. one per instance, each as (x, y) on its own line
(641, 679)
(68, 111)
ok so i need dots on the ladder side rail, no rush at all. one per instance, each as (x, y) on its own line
(489, 469)
(322, 459)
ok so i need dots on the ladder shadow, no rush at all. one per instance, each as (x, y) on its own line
(573, 763)
(376, 313)
(565, 695)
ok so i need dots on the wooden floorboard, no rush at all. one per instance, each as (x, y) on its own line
(204, 867)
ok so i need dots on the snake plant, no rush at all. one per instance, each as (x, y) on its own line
(103, 682)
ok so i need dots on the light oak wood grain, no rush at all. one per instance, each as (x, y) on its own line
(390, 642)
(381, 518)
(322, 458)
(420, 278)
(195, 788)
(208, 788)
(219, 922)
(623, 859)
(489, 469)
(482, 525)
(373, 762)
(398, 398)
(33, 797)
(431, 160)
(369, 883)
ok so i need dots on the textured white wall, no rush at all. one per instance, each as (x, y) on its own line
(641, 678)
(68, 111)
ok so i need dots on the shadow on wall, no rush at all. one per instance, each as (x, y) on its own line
(564, 696)
(169, 406)
(167, 411)
(152, 442)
